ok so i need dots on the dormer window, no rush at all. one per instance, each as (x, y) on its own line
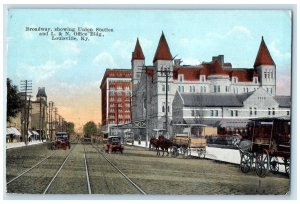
(235, 79)
(202, 78)
(180, 78)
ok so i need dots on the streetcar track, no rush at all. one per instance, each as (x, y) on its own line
(26, 171)
(58, 171)
(87, 172)
(123, 174)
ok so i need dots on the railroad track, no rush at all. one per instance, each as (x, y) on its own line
(35, 167)
(28, 170)
(120, 171)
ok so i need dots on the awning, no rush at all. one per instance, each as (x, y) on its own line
(9, 131)
(35, 132)
(12, 131)
(16, 131)
(29, 133)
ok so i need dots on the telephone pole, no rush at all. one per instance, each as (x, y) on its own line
(26, 90)
(166, 73)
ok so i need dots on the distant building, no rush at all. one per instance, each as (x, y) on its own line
(162, 80)
(39, 115)
(115, 98)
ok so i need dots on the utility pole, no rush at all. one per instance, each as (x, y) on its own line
(55, 119)
(166, 72)
(146, 105)
(26, 89)
(40, 119)
(50, 119)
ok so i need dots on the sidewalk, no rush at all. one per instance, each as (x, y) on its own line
(22, 144)
(219, 154)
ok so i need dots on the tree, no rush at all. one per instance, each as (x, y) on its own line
(70, 128)
(13, 100)
(90, 128)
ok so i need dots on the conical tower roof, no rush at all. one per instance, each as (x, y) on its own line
(41, 92)
(137, 54)
(162, 51)
(263, 56)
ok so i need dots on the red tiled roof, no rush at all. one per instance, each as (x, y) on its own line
(190, 73)
(138, 52)
(162, 51)
(263, 56)
(243, 75)
(216, 69)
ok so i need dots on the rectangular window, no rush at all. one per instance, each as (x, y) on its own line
(215, 88)
(236, 113)
(219, 89)
(255, 111)
(211, 113)
(288, 113)
(204, 89)
(231, 113)
(273, 111)
(179, 89)
(180, 78)
(163, 88)
(193, 113)
(191, 89)
(194, 90)
(216, 113)
(269, 111)
(201, 89)
(182, 88)
(250, 111)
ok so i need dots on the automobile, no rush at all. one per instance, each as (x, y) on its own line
(114, 144)
(61, 141)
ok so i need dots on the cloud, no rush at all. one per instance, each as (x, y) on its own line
(105, 59)
(236, 31)
(277, 52)
(45, 71)
(123, 48)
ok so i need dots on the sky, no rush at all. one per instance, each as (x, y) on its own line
(71, 71)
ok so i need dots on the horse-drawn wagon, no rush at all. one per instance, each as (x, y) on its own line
(266, 147)
(184, 143)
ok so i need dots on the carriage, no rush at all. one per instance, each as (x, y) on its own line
(266, 147)
(189, 140)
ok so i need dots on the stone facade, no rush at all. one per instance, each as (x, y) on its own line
(215, 77)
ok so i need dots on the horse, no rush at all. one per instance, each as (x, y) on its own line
(164, 144)
(155, 143)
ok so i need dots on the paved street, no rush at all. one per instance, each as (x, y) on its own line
(152, 174)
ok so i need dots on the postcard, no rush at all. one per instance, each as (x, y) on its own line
(162, 102)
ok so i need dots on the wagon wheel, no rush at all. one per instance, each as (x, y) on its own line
(246, 162)
(287, 163)
(262, 164)
(274, 165)
(201, 153)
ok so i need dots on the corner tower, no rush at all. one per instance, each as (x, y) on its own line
(137, 62)
(265, 68)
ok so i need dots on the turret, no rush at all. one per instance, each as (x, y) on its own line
(137, 62)
(265, 68)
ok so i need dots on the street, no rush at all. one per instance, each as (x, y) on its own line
(84, 169)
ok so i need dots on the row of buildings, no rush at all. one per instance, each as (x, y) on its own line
(37, 120)
(166, 94)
